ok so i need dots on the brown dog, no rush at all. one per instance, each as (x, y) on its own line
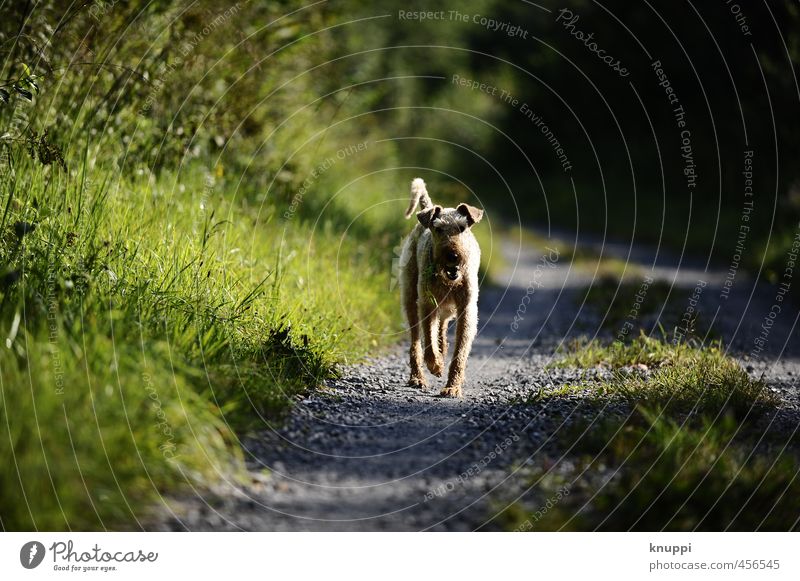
(439, 282)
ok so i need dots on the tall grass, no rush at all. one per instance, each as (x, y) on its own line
(132, 309)
(175, 271)
(95, 431)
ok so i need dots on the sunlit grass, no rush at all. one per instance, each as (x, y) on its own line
(95, 431)
(642, 350)
(672, 375)
(652, 473)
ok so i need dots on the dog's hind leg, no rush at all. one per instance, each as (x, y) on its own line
(466, 327)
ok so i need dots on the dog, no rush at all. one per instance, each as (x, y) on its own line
(438, 283)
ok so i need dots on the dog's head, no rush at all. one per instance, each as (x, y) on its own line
(449, 231)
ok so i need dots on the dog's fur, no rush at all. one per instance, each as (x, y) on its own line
(439, 282)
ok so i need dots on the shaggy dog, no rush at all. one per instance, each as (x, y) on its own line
(439, 283)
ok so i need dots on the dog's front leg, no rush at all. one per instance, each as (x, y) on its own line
(417, 377)
(466, 327)
(429, 319)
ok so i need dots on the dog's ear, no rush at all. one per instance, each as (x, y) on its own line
(472, 214)
(428, 215)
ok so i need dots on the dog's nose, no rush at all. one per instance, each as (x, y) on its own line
(452, 274)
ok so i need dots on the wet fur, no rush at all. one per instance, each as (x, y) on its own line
(440, 247)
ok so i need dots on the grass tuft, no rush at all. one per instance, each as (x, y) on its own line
(642, 350)
(682, 377)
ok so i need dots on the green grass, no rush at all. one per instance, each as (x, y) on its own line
(705, 384)
(229, 307)
(156, 265)
(652, 473)
(95, 431)
(679, 377)
(642, 350)
(689, 456)
(133, 291)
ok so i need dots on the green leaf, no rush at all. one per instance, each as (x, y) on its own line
(25, 72)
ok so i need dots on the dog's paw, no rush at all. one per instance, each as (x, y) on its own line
(435, 365)
(418, 382)
(451, 391)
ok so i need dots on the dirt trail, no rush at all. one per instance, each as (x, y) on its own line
(369, 453)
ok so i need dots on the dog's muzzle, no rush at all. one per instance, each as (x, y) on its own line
(451, 265)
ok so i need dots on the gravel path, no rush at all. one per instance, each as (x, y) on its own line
(369, 453)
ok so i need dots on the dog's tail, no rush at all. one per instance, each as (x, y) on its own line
(419, 195)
